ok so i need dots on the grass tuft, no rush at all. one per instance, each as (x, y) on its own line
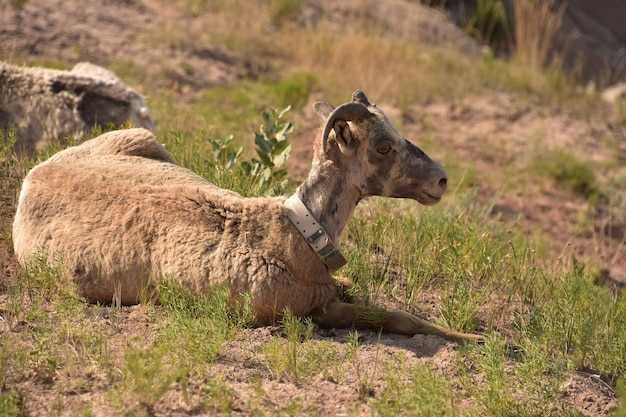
(198, 325)
(150, 373)
(567, 170)
(415, 392)
(11, 404)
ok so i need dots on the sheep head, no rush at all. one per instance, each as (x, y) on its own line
(374, 157)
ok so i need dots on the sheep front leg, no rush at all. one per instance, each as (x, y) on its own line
(344, 287)
(342, 315)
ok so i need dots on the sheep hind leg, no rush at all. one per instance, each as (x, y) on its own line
(342, 315)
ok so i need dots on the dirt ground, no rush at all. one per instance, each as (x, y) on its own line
(491, 131)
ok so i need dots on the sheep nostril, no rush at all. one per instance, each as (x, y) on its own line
(443, 182)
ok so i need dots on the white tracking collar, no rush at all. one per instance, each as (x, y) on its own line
(314, 234)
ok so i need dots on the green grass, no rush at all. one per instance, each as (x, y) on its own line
(454, 248)
(149, 374)
(52, 332)
(56, 336)
(417, 391)
(567, 170)
(10, 404)
(284, 10)
(198, 326)
(129, 71)
(496, 377)
(562, 319)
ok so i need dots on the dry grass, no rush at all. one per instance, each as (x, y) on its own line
(538, 25)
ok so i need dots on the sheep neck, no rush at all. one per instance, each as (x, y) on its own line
(329, 199)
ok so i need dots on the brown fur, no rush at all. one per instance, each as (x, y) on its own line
(123, 213)
(120, 219)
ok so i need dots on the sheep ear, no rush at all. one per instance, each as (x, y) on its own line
(343, 136)
(323, 109)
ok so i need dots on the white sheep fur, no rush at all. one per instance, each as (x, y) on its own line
(48, 105)
(122, 213)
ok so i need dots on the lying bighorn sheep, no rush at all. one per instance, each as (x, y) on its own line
(121, 211)
(49, 105)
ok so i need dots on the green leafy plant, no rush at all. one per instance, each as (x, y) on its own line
(263, 174)
(43, 277)
(225, 156)
(505, 374)
(218, 396)
(272, 149)
(459, 308)
(585, 324)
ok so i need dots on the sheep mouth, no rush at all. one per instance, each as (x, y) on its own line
(430, 199)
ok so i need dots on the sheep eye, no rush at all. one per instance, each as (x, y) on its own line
(384, 149)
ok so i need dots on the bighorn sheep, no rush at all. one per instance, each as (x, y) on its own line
(49, 105)
(121, 212)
